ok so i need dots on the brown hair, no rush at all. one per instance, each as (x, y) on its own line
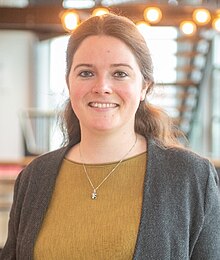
(150, 122)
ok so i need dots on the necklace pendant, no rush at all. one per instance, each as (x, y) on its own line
(94, 195)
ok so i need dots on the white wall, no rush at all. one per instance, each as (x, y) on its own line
(16, 83)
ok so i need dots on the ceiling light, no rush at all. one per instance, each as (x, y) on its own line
(142, 27)
(13, 3)
(70, 20)
(216, 24)
(201, 16)
(78, 4)
(173, 2)
(188, 27)
(100, 11)
(152, 14)
(114, 2)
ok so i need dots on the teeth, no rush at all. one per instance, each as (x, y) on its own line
(102, 105)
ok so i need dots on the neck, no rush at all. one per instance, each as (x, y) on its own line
(116, 156)
(101, 149)
(108, 147)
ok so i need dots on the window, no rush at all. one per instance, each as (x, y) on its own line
(216, 98)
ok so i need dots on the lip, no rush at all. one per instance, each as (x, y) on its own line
(103, 105)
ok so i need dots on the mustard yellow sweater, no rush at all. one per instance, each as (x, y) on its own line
(77, 227)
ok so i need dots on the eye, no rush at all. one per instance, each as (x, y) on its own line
(86, 74)
(120, 74)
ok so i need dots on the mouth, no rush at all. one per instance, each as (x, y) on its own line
(102, 105)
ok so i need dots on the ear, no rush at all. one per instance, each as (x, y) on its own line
(144, 91)
(67, 82)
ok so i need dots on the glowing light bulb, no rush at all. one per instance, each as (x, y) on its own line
(70, 20)
(152, 14)
(216, 24)
(188, 27)
(142, 27)
(201, 16)
(100, 11)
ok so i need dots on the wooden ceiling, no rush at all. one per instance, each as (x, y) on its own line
(45, 19)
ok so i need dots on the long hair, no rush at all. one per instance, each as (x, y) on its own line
(150, 122)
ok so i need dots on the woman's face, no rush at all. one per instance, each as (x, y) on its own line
(105, 85)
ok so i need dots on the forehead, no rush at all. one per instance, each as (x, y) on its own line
(103, 43)
(104, 49)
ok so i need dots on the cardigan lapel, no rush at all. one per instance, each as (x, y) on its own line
(39, 191)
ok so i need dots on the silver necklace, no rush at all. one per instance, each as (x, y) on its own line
(94, 192)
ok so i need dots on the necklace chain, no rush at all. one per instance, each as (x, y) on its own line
(94, 193)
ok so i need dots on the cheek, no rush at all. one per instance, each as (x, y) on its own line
(75, 92)
(74, 96)
(72, 86)
(131, 96)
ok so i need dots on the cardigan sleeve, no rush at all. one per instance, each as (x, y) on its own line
(9, 249)
(208, 243)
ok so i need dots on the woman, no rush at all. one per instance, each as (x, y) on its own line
(121, 188)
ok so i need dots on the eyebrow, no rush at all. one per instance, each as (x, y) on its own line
(82, 65)
(121, 64)
(113, 65)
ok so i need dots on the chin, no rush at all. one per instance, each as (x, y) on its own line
(103, 128)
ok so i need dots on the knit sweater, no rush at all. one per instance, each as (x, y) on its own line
(180, 216)
(106, 227)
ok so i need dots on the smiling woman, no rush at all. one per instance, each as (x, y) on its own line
(106, 86)
(158, 126)
(122, 183)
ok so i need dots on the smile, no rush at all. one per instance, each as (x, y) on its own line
(102, 105)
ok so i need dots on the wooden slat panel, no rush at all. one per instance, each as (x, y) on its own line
(184, 83)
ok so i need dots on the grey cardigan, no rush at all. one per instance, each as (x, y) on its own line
(180, 216)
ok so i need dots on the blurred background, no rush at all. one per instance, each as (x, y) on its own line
(184, 41)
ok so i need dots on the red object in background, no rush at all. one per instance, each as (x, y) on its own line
(9, 171)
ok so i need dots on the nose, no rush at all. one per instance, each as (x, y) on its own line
(102, 86)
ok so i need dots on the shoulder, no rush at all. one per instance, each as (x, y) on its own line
(43, 166)
(178, 156)
(38, 177)
(48, 159)
(183, 176)
(181, 163)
